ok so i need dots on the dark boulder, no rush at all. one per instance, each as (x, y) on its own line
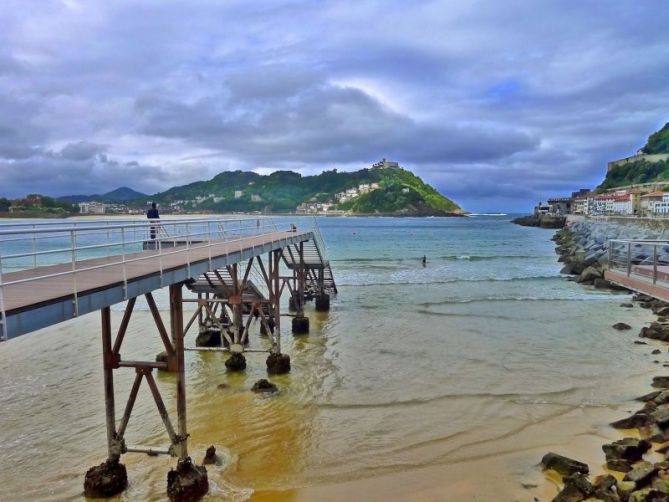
(263, 386)
(577, 487)
(187, 483)
(236, 362)
(661, 416)
(278, 364)
(661, 382)
(563, 465)
(210, 456)
(642, 474)
(620, 326)
(630, 449)
(650, 396)
(105, 480)
(638, 419)
(300, 325)
(208, 338)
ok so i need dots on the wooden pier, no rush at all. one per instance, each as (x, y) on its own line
(238, 269)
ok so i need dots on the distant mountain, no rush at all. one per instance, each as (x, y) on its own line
(123, 194)
(651, 164)
(388, 190)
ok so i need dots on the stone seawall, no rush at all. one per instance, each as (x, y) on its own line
(583, 244)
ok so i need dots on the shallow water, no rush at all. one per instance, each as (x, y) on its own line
(481, 360)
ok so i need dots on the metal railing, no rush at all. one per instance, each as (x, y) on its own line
(51, 245)
(644, 259)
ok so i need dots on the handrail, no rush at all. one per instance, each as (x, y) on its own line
(639, 258)
(23, 244)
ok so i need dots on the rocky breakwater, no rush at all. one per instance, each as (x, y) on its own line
(541, 220)
(583, 247)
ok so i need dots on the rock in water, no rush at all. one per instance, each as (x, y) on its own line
(236, 362)
(210, 456)
(641, 474)
(621, 326)
(187, 483)
(264, 386)
(563, 465)
(637, 420)
(209, 338)
(105, 480)
(278, 364)
(661, 382)
(577, 487)
(630, 449)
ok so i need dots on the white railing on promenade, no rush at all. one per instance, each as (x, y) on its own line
(25, 246)
(643, 259)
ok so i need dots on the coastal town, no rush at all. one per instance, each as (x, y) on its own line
(643, 199)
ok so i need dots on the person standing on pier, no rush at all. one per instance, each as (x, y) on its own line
(153, 214)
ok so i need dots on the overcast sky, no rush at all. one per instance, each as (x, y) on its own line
(495, 103)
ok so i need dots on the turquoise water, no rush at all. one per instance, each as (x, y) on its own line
(485, 354)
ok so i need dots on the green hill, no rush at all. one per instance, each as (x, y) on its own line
(399, 192)
(642, 170)
(658, 142)
(123, 194)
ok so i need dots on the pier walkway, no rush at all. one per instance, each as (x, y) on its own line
(640, 265)
(238, 268)
(38, 297)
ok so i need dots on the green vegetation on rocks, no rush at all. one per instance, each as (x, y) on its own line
(658, 142)
(641, 171)
(632, 173)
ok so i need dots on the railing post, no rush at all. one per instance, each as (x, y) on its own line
(654, 263)
(188, 237)
(629, 258)
(209, 241)
(73, 243)
(34, 246)
(4, 336)
(125, 273)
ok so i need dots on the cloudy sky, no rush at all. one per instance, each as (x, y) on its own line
(495, 103)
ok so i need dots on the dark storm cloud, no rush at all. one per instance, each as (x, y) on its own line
(320, 123)
(494, 103)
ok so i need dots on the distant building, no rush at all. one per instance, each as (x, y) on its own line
(541, 208)
(238, 194)
(256, 198)
(648, 201)
(386, 164)
(92, 207)
(621, 203)
(559, 205)
(660, 207)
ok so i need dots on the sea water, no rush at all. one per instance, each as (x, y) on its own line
(446, 381)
